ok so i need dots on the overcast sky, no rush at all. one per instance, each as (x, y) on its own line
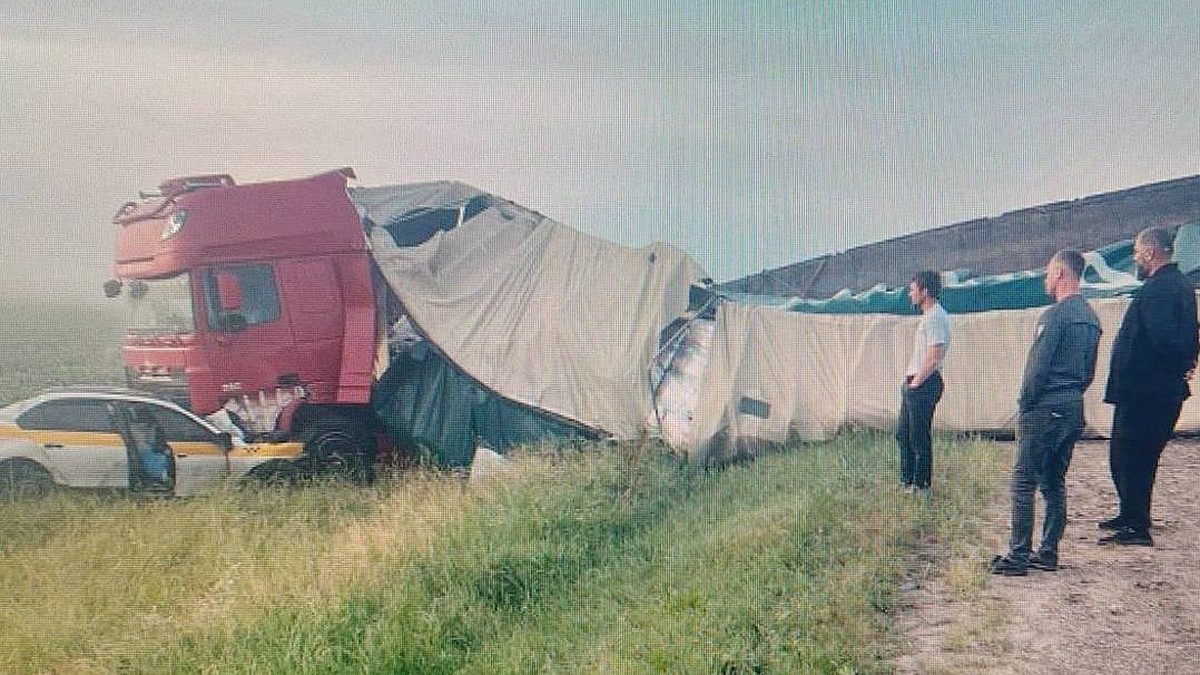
(752, 136)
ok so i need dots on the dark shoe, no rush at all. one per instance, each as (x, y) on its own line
(1046, 564)
(1113, 524)
(1007, 567)
(1127, 537)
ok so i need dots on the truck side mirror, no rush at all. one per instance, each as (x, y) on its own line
(229, 291)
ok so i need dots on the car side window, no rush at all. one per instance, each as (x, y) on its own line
(176, 426)
(68, 415)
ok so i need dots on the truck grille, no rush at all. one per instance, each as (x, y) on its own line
(168, 383)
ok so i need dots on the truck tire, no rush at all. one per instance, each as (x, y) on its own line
(341, 448)
(24, 479)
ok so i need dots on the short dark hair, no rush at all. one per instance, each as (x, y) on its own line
(1072, 260)
(929, 281)
(1157, 238)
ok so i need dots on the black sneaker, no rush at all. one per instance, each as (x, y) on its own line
(1113, 524)
(1007, 567)
(1047, 564)
(1127, 537)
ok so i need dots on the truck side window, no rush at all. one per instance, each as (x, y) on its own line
(260, 298)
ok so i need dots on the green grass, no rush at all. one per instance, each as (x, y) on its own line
(612, 560)
(615, 559)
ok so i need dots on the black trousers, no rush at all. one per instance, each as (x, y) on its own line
(1141, 428)
(913, 430)
(1045, 440)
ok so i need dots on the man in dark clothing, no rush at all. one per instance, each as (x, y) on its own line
(1152, 361)
(1059, 368)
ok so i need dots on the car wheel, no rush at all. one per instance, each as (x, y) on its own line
(342, 448)
(24, 479)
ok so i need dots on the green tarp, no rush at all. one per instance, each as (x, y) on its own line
(432, 405)
(1110, 272)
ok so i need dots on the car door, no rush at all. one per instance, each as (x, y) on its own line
(81, 441)
(151, 460)
(200, 458)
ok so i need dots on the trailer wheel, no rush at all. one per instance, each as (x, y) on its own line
(24, 479)
(339, 447)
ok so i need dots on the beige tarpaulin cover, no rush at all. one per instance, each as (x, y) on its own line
(535, 311)
(566, 323)
(819, 372)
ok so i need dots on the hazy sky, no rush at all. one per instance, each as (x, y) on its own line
(753, 136)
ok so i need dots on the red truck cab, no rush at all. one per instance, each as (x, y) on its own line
(259, 299)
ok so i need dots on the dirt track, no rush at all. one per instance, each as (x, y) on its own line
(1106, 610)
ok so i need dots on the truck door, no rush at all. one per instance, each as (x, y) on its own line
(250, 343)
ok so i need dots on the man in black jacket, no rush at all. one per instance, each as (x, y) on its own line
(1059, 368)
(1152, 362)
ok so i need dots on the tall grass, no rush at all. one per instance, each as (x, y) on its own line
(94, 582)
(610, 560)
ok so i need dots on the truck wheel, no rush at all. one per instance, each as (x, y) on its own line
(23, 479)
(339, 447)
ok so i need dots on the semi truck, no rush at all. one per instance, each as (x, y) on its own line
(257, 304)
(426, 318)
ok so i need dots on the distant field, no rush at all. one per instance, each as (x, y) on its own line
(56, 345)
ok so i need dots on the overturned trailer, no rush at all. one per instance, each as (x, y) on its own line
(530, 329)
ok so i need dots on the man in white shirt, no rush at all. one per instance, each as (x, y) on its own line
(922, 381)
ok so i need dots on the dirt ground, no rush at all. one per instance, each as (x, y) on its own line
(1108, 609)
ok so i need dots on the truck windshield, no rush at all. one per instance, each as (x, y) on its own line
(159, 306)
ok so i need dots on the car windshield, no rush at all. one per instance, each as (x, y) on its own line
(159, 306)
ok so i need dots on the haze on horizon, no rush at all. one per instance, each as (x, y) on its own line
(752, 137)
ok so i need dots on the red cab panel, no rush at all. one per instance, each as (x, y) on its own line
(244, 289)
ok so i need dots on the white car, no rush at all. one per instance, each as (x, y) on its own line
(113, 438)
